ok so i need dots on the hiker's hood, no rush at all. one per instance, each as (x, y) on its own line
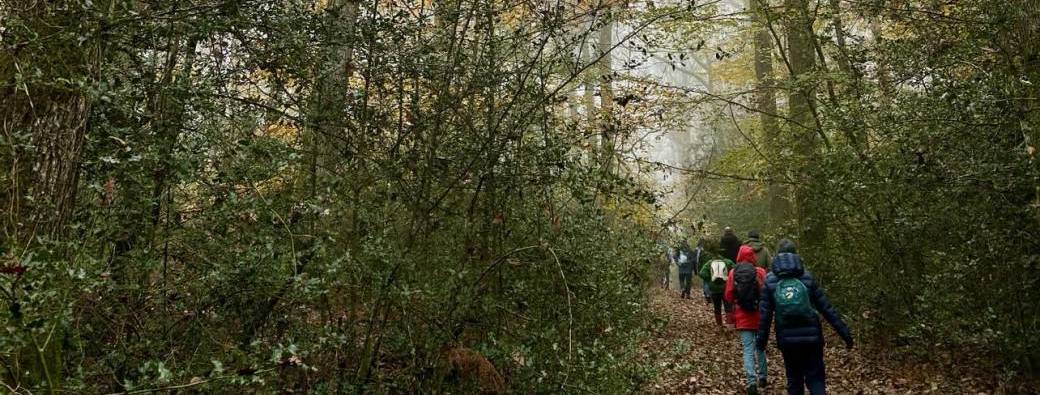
(786, 245)
(746, 255)
(787, 264)
(755, 245)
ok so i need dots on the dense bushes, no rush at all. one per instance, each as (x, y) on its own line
(316, 196)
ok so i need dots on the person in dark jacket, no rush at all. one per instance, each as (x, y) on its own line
(699, 257)
(686, 262)
(800, 341)
(730, 244)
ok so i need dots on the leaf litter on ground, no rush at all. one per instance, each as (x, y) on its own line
(694, 356)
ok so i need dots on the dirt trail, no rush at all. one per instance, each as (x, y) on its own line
(696, 357)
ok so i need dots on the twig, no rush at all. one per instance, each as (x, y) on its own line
(570, 312)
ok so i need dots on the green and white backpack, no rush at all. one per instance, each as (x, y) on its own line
(793, 307)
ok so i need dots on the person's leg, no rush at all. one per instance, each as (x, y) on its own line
(763, 371)
(686, 284)
(716, 302)
(793, 368)
(747, 341)
(729, 311)
(707, 292)
(815, 371)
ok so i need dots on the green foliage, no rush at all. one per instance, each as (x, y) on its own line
(310, 196)
(922, 175)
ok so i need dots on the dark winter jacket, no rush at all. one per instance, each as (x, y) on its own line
(685, 261)
(730, 245)
(789, 265)
(686, 265)
(699, 257)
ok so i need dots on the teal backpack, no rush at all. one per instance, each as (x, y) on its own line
(792, 303)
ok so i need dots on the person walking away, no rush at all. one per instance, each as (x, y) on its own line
(700, 258)
(665, 267)
(686, 262)
(793, 297)
(762, 254)
(714, 273)
(730, 244)
(743, 287)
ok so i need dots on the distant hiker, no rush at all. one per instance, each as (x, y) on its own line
(730, 244)
(794, 298)
(665, 266)
(700, 258)
(743, 288)
(686, 262)
(715, 272)
(762, 254)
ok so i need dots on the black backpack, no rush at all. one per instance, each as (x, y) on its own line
(746, 287)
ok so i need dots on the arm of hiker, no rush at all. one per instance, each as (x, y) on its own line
(705, 273)
(727, 293)
(820, 302)
(765, 309)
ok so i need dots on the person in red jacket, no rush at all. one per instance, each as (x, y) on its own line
(743, 288)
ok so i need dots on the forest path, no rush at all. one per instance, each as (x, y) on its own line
(694, 356)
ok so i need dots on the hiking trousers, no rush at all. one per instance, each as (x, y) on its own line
(754, 360)
(804, 367)
(718, 304)
(685, 282)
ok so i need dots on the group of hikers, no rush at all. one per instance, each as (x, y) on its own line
(750, 290)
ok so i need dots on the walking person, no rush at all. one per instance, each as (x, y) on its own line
(669, 260)
(743, 287)
(762, 253)
(700, 258)
(793, 298)
(714, 273)
(730, 244)
(686, 262)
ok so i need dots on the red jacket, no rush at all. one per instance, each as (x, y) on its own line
(745, 320)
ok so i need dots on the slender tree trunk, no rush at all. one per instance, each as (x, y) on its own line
(606, 89)
(590, 83)
(330, 85)
(882, 67)
(844, 60)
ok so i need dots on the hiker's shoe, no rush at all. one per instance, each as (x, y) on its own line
(752, 390)
(763, 383)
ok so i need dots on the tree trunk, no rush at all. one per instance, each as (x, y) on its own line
(324, 140)
(765, 103)
(801, 55)
(606, 89)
